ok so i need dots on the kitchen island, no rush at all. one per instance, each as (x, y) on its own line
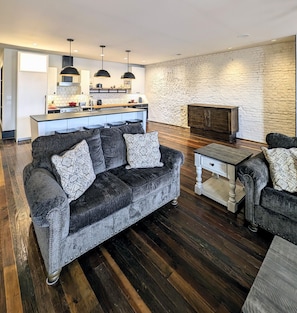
(47, 124)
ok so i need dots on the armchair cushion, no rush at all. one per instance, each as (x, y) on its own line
(280, 202)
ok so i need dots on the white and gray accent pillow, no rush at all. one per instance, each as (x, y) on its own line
(283, 167)
(75, 170)
(143, 150)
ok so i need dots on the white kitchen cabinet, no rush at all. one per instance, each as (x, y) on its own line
(52, 80)
(85, 82)
(138, 84)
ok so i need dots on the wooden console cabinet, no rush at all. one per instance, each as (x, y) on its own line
(213, 121)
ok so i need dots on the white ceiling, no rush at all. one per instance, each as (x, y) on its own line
(154, 30)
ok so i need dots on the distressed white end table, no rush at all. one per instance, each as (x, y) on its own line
(222, 161)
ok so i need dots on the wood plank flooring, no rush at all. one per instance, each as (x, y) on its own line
(195, 257)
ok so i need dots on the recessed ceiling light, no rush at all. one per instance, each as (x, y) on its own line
(229, 48)
(273, 40)
(75, 51)
(34, 44)
(243, 35)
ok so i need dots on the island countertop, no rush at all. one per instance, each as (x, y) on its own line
(49, 124)
(62, 116)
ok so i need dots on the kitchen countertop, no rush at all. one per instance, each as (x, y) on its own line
(62, 116)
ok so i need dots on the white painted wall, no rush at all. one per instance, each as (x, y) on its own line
(260, 81)
(9, 90)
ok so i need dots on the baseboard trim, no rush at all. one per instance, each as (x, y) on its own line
(8, 134)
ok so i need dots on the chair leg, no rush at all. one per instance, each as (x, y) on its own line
(253, 227)
(53, 278)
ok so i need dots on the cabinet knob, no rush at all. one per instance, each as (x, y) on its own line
(212, 164)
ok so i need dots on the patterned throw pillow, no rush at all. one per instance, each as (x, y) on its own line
(143, 150)
(283, 167)
(75, 170)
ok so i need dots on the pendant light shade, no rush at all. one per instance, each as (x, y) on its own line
(128, 75)
(102, 72)
(69, 70)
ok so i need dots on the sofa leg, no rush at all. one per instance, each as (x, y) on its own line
(253, 227)
(174, 202)
(53, 278)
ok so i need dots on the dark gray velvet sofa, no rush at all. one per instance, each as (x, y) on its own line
(118, 197)
(265, 207)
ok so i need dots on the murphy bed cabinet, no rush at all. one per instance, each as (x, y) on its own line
(213, 121)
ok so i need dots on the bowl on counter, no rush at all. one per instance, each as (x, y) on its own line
(72, 104)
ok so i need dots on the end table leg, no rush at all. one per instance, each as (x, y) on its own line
(232, 206)
(198, 185)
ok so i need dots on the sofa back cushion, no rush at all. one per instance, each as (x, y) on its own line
(45, 146)
(277, 140)
(114, 146)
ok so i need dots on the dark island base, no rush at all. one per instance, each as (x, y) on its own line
(214, 135)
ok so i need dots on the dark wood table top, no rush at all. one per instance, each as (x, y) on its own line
(229, 155)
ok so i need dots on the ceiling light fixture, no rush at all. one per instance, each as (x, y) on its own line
(69, 70)
(102, 72)
(128, 75)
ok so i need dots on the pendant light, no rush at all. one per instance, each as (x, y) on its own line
(102, 72)
(128, 75)
(69, 70)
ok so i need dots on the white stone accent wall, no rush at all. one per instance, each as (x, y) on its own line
(260, 81)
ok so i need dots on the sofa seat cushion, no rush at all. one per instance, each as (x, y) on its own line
(280, 202)
(106, 195)
(143, 181)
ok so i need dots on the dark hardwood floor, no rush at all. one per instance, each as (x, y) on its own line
(195, 257)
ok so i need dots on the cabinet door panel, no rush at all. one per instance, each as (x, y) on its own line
(196, 117)
(220, 120)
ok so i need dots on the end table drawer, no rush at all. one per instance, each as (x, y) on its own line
(214, 165)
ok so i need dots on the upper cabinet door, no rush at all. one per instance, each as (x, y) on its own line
(85, 82)
(52, 80)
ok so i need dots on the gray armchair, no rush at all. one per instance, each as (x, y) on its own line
(265, 207)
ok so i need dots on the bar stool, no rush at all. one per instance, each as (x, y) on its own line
(93, 127)
(116, 124)
(66, 131)
(134, 121)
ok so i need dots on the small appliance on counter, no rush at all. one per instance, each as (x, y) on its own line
(99, 102)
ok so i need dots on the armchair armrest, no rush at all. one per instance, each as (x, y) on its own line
(254, 174)
(45, 198)
(171, 157)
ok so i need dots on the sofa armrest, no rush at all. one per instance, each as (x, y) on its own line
(254, 174)
(46, 197)
(171, 157)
